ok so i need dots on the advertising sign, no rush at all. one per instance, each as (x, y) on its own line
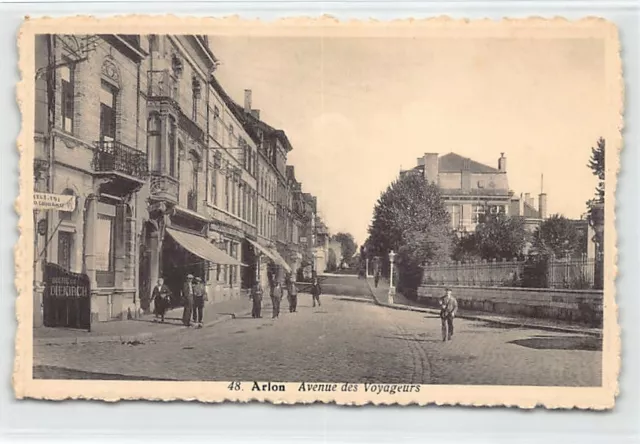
(67, 298)
(60, 202)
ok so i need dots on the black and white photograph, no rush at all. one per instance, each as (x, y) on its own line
(330, 212)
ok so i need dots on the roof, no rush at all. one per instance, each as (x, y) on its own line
(454, 163)
(252, 120)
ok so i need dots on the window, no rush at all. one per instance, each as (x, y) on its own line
(154, 142)
(192, 198)
(172, 147)
(105, 250)
(226, 191)
(478, 214)
(65, 247)
(233, 197)
(455, 217)
(108, 96)
(213, 198)
(197, 92)
(67, 76)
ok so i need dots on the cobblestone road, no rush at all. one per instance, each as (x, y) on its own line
(347, 339)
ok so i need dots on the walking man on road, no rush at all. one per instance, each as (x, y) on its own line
(292, 292)
(376, 278)
(316, 290)
(199, 296)
(160, 297)
(276, 297)
(448, 309)
(188, 291)
(256, 297)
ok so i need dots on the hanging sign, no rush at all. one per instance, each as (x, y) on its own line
(59, 202)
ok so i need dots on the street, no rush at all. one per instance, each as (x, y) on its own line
(347, 339)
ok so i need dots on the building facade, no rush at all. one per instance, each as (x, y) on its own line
(90, 142)
(472, 190)
(171, 176)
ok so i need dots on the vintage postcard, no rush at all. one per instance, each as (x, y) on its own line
(409, 212)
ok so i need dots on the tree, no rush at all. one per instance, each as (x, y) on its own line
(411, 219)
(559, 237)
(348, 245)
(596, 164)
(500, 237)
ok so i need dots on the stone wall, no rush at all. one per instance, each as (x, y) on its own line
(583, 306)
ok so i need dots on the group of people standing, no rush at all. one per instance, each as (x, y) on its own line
(194, 295)
(276, 292)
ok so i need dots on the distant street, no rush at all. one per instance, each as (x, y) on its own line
(347, 339)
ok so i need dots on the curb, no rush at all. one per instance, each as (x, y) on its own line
(129, 338)
(488, 319)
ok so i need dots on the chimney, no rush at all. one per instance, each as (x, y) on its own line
(247, 101)
(542, 208)
(255, 113)
(502, 163)
(431, 167)
(521, 205)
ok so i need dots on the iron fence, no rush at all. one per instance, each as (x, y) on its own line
(571, 273)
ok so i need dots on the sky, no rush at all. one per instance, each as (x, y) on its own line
(357, 110)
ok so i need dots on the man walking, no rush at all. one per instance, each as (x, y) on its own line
(199, 296)
(292, 291)
(256, 297)
(187, 298)
(448, 310)
(160, 298)
(316, 290)
(276, 297)
(376, 278)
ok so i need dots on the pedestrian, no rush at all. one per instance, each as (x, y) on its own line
(160, 298)
(293, 296)
(448, 310)
(199, 296)
(256, 297)
(188, 291)
(276, 297)
(376, 278)
(316, 290)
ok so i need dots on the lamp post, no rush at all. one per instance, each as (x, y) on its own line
(392, 288)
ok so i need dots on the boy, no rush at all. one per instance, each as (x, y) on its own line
(448, 309)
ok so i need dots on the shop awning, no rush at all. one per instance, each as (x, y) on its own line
(273, 255)
(202, 247)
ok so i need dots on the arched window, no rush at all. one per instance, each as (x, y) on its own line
(154, 142)
(192, 198)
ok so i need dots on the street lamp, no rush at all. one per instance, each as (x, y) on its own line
(392, 288)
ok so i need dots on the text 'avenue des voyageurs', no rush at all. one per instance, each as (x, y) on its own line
(390, 389)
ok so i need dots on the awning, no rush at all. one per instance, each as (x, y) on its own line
(273, 255)
(202, 247)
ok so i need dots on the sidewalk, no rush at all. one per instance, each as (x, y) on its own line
(143, 328)
(380, 295)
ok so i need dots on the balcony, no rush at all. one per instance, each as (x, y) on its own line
(164, 188)
(124, 168)
(162, 85)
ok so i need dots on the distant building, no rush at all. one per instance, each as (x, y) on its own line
(472, 190)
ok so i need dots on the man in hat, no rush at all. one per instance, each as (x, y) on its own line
(188, 293)
(199, 296)
(448, 310)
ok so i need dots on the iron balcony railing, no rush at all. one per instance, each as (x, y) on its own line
(113, 156)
